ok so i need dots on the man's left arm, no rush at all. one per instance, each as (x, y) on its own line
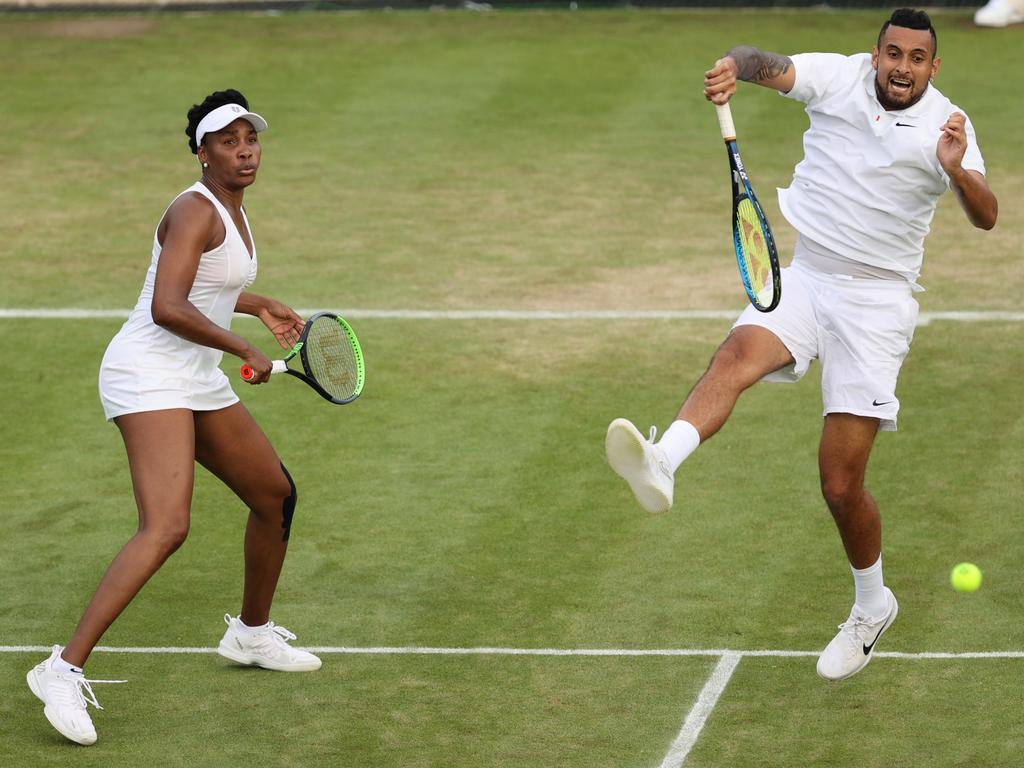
(972, 191)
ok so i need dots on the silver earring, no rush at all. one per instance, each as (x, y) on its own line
(206, 165)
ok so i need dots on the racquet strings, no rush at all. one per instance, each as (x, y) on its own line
(755, 258)
(331, 359)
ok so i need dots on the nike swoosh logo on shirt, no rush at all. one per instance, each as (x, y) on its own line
(906, 125)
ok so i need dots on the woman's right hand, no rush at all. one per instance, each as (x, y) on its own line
(259, 363)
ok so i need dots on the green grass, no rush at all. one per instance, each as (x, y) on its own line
(483, 159)
(903, 714)
(466, 503)
(376, 710)
(509, 160)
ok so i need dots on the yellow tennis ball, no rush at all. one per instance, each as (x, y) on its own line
(965, 577)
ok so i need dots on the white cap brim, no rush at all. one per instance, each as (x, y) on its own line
(223, 116)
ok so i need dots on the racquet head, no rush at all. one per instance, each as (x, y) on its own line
(332, 358)
(756, 255)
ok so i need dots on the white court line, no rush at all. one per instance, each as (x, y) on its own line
(417, 314)
(701, 710)
(692, 726)
(416, 650)
(511, 314)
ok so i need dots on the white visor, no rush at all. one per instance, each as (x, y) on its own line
(223, 116)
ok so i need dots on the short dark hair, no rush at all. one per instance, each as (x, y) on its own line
(910, 19)
(210, 103)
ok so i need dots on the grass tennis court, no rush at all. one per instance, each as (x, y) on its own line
(520, 161)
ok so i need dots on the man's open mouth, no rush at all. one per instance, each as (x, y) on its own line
(900, 84)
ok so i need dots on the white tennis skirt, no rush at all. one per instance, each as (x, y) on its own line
(134, 387)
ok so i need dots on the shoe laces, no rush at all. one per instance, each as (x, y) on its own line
(660, 461)
(273, 641)
(856, 627)
(277, 635)
(81, 693)
(282, 633)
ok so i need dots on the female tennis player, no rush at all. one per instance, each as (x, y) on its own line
(160, 384)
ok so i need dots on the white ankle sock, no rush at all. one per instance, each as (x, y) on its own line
(245, 629)
(679, 441)
(62, 667)
(870, 590)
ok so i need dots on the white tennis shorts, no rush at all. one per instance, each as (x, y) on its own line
(860, 329)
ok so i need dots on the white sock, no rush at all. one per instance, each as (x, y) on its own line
(62, 667)
(245, 629)
(870, 590)
(679, 441)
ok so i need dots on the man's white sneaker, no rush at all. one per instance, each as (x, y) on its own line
(1000, 13)
(640, 463)
(64, 697)
(267, 648)
(852, 649)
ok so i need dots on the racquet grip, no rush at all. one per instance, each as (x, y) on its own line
(277, 366)
(725, 122)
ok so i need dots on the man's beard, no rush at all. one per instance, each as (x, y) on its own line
(889, 104)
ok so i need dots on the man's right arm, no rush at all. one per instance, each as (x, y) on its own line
(752, 65)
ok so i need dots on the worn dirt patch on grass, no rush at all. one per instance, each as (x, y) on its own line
(97, 29)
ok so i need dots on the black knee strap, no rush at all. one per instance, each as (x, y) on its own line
(288, 508)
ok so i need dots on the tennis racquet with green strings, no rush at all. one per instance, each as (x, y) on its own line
(332, 361)
(752, 237)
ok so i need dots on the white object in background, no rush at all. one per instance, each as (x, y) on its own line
(1000, 13)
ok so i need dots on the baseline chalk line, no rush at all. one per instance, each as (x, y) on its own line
(926, 318)
(416, 650)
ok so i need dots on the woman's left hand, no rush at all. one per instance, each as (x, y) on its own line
(282, 321)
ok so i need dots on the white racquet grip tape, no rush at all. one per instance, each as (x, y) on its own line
(278, 366)
(725, 122)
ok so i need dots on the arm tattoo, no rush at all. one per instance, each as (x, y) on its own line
(756, 66)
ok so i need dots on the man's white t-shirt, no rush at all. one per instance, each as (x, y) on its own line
(870, 178)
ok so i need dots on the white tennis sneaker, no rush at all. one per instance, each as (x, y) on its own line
(640, 463)
(64, 698)
(1000, 13)
(267, 648)
(852, 649)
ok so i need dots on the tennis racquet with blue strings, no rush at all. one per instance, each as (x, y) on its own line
(753, 241)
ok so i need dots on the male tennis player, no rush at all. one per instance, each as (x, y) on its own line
(882, 146)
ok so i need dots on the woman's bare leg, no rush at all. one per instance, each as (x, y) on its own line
(161, 454)
(232, 446)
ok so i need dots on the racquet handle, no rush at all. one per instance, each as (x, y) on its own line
(725, 122)
(277, 366)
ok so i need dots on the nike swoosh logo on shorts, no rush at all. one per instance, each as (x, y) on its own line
(876, 403)
(906, 125)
